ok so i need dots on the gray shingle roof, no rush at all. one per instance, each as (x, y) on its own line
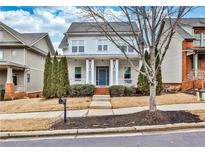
(26, 38)
(82, 27)
(190, 23)
(93, 27)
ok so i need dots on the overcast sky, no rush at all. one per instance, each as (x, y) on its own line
(54, 20)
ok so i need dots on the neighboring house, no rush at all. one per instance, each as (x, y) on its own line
(93, 59)
(186, 54)
(22, 57)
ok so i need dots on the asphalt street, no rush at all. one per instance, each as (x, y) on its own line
(186, 138)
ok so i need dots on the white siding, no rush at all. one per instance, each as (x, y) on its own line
(91, 46)
(172, 64)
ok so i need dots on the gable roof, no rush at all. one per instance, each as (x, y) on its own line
(189, 23)
(28, 39)
(93, 27)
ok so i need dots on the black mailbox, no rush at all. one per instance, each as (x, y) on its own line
(62, 100)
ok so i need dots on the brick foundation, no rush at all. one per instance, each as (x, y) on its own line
(34, 94)
(9, 91)
(102, 91)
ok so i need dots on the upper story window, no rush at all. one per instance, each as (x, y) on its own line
(203, 41)
(1, 54)
(102, 45)
(197, 42)
(127, 74)
(125, 48)
(78, 46)
(1, 35)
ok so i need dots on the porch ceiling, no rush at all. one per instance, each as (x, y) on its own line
(102, 56)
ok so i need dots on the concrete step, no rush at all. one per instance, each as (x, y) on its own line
(100, 105)
(101, 98)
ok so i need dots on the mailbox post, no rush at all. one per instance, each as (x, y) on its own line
(63, 100)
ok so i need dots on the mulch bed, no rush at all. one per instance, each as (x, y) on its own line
(136, 119)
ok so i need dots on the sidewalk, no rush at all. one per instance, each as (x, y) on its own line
(101, 112)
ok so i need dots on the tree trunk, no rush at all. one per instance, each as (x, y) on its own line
(152, 97)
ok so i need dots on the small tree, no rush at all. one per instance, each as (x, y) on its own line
(65, 78)
(54, 77)
(143, 84)
(47, 76)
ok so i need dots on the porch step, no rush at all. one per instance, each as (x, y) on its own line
(102, 91)
(101, 98)
(100, 105)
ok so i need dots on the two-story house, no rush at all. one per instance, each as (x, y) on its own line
(94, 59)
(22, 57)
(186, 54)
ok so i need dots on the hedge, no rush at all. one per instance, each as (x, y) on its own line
(80, 90)
(120, 90)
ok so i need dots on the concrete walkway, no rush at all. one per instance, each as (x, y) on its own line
(101, 112)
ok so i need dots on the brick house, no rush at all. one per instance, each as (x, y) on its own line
(186, 54)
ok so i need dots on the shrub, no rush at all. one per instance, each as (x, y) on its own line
(117, 90)
(130, 91)
(79, 90)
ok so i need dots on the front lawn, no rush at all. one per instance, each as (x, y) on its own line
(166, 99)
(42, 105)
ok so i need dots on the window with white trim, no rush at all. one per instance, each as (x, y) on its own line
(125, 48)
(28, 77)
(1, 54)
(102, 45)
(197, 41)
(203, 39)
(77, 73)
(78, 46)
(127, 74)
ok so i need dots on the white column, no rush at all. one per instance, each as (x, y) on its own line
(9, 75)
(87, 71)
(92, 72)
(116, 71)
(196, 64)
(111, 72)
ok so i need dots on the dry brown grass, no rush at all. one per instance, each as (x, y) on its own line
(42, 105)
(26, 124)
(179, 98)
(201, 113)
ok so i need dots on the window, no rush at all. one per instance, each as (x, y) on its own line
(203, 39)
(28, 78)
(197, 42)
(130, 49)
(77, 46)
(124, 48)
(102, 45)
(1, 54)
(127, 74)
(77, 72)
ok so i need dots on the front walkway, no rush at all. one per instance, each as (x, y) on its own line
(102, 112)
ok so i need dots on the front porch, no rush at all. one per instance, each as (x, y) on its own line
(102, 72)
(12, 79)
(194, 72)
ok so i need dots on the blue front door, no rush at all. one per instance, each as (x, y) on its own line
(102, 76)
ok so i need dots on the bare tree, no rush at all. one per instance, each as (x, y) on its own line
(156, 27)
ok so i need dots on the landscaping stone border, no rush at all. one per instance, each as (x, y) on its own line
(5, 135)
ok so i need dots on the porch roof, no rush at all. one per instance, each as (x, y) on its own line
(5, 64)
(102, 56)
(192, 51)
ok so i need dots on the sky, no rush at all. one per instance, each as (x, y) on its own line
(55, 20)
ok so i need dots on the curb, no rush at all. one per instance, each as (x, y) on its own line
(5, 135)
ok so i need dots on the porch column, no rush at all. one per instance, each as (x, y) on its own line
(92, 72)
(9, 86)
(111, 72)
(116, 71)
(87, 72)
(196, 64)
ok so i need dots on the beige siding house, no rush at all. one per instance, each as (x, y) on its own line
(22, 57)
